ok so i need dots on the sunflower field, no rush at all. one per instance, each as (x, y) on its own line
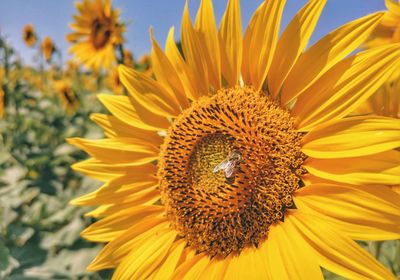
(240, 150)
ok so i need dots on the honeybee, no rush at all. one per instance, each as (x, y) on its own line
(229, 164)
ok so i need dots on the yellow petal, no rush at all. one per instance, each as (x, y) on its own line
(137, 180)
(118, 150)
(292, 43)
(208, 36)
(352, 137)
(346, 86)
(260, 42)
(193, 50)
(131, 112)
(115, 251)
(382, 168)
(142, 261)
(216, 269)
(100, 170)
(166, 74)
(150, 94)
(335, 251)
(326, 53)
(230, 38)
(192, 268)
(362, 212)
(110, 227)
(167, 269)
(113, 128)
(393, 7)
(185, 74)
(288, 254)
(249, 264)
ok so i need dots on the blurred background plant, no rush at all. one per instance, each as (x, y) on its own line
(40, 106)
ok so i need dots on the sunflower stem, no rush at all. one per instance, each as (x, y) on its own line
(121, 58)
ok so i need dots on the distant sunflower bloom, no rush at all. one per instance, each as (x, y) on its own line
(114, 82)
(29, 35)
(237, 161)
(48, 48)
(67, 95)
(145, 65)
(128, 58)
(97, 30)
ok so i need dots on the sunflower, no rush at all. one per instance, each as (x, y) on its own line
(48, 48)
(238, 160)
(144, 65)
(97, 30)
(114, 83)
(67, 95)
(29, 35)
(128, 58)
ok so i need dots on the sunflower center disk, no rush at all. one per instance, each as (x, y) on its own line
(101, 32)
(228, 168)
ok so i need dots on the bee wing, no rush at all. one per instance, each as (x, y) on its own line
(229, 169)
(221, 166)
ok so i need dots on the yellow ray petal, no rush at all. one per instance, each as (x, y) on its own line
(167, 269)
(114, 252)
(335, 251)
(249, 264)
(193, 50)
(352, 137)
(327, 52)
(142, 261)
(216, 269)
(118, 150)
(393, 7)
(102, 171)
(207, 33)
(166, 74)
(138, 180)
(131, 112)
(124, 198)
(382, 168)
(192, 268)
(362, 212)
(149, 93)
(230, 38)
(292, 43)
(113, 128)
(110, 227)
(260, 42)
(288, 255)
(346, 86)
(186, 74)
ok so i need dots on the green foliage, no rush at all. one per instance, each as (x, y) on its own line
(39, 230)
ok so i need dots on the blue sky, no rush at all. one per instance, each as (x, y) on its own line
(51, 18)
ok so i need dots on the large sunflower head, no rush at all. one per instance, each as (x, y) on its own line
(238, 161)
(48, 48)
(97, 30)
(29, 35)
